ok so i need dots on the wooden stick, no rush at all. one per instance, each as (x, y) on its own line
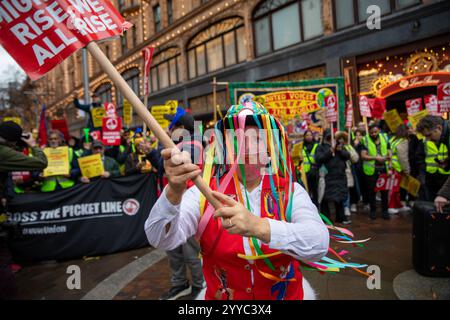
(366, 125)
(143, 112)
(144, 127)
(332, 133)
(214, 99)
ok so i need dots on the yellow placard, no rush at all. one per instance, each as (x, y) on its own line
(158, 113)
(415, 118)
(97, 116)
(410, 184)
(127, 113)
(173, 104)
(297, 150)
(91, 166)
(13, 119)
(58, 161)
(393, 119)
(291, 103)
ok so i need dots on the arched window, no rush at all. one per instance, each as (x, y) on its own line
(131, 76)
(282, 23)
(104, 92)
(220, 45)
(165, 69)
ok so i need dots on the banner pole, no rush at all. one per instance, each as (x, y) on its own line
(332, 133)
(144, 126)
(366, 125)
(142, 111)
(214, 99)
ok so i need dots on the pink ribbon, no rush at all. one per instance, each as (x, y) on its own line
(226, 181)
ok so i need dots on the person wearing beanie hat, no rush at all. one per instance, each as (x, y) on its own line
(251, 247)
(10, 131)
(12, 160)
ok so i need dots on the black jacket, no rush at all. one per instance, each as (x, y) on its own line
(336, 179)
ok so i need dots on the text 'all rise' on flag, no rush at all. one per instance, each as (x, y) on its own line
(40, 34)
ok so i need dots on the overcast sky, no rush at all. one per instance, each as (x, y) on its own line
(7, 67)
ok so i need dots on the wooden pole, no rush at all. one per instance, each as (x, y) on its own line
(215, 99)
(144, 127)
(143, 112)
(366, 125)
(332, 134)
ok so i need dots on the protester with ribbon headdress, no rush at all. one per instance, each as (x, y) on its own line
(252, 247)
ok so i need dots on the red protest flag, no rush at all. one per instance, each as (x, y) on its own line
(413, 106)
(444, 97)
(110, 109)
(96, 135)
(39, 35)
(378, 106)
(431, 104)
(382, 183)
(148, 55)
(365, 107)
(349, 116)
(111, 131)
(61, 126)
(330, 107)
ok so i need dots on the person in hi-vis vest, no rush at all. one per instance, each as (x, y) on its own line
(309, 165)
(400, 164)
(433, 156)
(375, 155)
(53, 183)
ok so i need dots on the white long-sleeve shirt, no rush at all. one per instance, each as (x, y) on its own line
(305, 238)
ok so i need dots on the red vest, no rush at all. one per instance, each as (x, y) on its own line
(229, 277)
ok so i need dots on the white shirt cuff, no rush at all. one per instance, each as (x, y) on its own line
(278, 234)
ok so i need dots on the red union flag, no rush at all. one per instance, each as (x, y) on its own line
(148, 55)
(111, 131)
(431, 103)
(364, 107)
(331, 106)
(349, 116)
(388, 182)
(413, 106)
(378, 107)
(39, 34)
(110, 109)
(444, 97)
(96, 135)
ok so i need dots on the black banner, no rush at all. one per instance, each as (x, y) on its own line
(104, 216)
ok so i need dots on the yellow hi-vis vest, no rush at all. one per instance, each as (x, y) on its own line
(50, 183)
(308, 159)
(369, 166)
(431, 153)
(394, 145)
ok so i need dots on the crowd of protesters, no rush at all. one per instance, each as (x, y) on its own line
(132, 156)
(343, 172)
(138, 153)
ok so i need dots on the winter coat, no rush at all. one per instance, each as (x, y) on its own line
(336, 188)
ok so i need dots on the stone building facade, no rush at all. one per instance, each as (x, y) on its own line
(239, 40)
